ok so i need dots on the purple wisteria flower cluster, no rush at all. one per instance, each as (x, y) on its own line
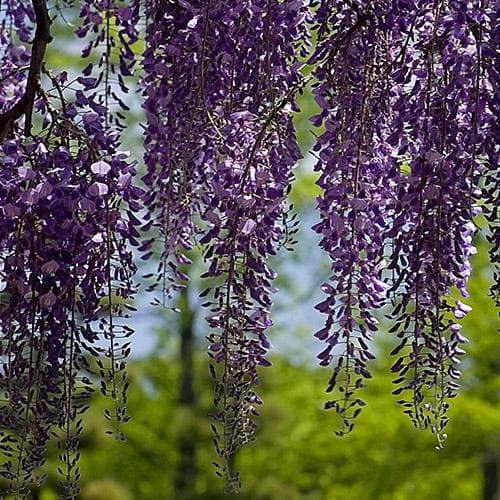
(66, 230)
(181, 84)
(407, 106)
(406, 158)
(220, 83)
(445, 134)
(110, 29)
(358, 178)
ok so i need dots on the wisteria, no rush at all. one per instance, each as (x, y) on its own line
(110, 30)
(224, 175)
(407, 111)
(182, 88)
(486, 108)
(66, 263)
(246, 207)
(443, 135)
(406, 157)
(358, 178)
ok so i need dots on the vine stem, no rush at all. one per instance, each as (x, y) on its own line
(24, 106)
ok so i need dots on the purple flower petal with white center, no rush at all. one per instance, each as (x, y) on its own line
(100, 168)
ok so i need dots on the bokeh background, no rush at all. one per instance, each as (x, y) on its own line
(169, 452)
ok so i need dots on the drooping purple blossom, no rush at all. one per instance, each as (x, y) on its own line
(110, 29)
(54, 243)
(487, 108)
(441, 129)
(185, 86)
(404, 100)
(358, 178)
(220, 83)
(66, 268)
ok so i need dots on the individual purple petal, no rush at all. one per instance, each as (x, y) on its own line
(98, 189)
(50, 267)
(100, 168)
(48, 299)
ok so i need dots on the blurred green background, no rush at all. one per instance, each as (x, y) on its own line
(168, 453)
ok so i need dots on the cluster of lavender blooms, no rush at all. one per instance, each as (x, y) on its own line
(358, 178)
(66, 230)
(446, 134)
(220, 79)
(407, 105)
(110, 28)
(181, 83)
(487, 111)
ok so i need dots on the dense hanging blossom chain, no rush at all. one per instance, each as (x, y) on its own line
(407, 107)
(358, 178)
(110, 29)
(184, 86)
(66, 266)
(484, 29)
(246, 204)
(220, 83)
(442, 131)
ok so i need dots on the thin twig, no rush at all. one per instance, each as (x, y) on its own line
(25, 104)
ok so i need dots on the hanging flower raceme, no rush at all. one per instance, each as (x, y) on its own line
(19, 73)
(358, 177)
(55, 235)
(442, 128)
(217, 82)
(246, 203)
(65, 272)
(487, 106)
(185, 81)
(110, 29)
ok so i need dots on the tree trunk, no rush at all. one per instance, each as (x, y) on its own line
(491, 490)
(186, 471)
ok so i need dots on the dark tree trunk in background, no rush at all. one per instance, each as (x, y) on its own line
(186, 472)
(491, 489)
